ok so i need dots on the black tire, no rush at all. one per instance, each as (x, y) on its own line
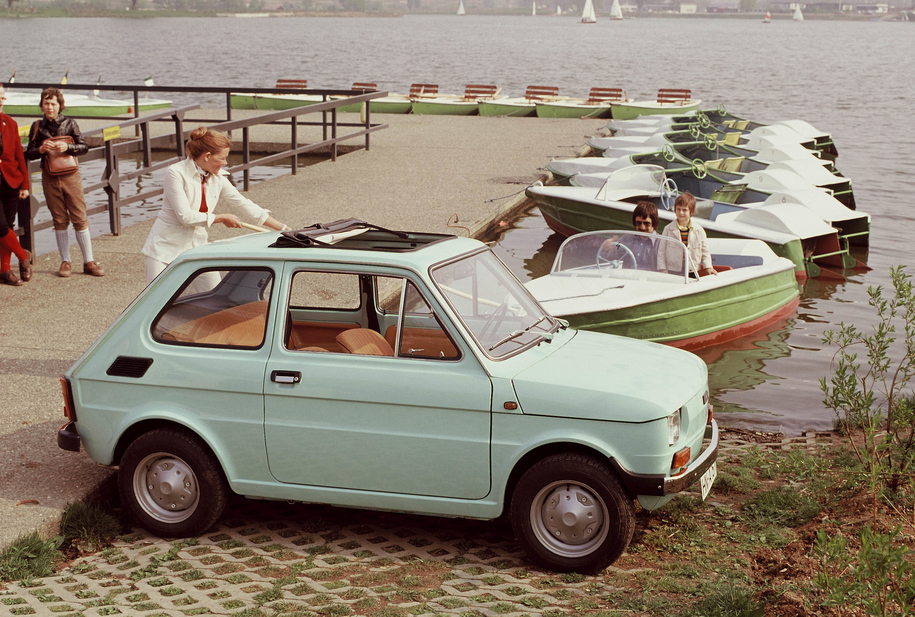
(171, 483)
(598, 517)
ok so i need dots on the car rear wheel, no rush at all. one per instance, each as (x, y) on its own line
(171, 483)
(571, 514)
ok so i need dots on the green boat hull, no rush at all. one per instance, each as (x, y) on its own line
(622, 111)
(251, 101)
(433, 108)
(701, 319)
(400, 107)
(569, 217)
(561, 111)
(93, 111)
(489, 108)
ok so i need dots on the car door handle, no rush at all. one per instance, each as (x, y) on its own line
(286, 377)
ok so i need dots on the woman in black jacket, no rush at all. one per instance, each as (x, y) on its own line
(64, 193)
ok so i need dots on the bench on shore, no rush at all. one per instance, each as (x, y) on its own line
(603, 95)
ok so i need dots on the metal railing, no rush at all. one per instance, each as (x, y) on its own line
(112, 151)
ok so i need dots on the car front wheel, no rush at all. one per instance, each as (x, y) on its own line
(571, 514)
(171, 483)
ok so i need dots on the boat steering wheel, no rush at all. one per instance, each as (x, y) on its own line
(667, 151)
(606, 262)
(695, 131)
(704, 121)
(711, 143)
(668, 193)
(721, 110)
(700, 170)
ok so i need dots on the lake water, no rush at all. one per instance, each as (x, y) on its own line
(852, 79)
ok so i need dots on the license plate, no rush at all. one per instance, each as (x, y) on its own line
(707, 479)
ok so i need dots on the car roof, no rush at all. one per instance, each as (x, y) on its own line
(348, 240)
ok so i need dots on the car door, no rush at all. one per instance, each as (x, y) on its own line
(416, 422)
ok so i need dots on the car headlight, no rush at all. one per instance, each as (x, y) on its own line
(673, 428)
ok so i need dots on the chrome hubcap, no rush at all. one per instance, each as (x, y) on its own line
(569, 519)
(166, 488)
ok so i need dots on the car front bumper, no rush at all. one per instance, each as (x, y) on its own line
(658, 485)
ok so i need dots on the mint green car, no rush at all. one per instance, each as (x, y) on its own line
(356, 366)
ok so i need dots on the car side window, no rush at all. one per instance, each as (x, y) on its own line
(218, 308)
(421, 334)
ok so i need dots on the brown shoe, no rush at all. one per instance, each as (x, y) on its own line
(8, 278)
(93, 269)
(25, 268)
(65, 269)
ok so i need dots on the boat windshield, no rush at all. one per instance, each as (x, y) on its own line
(613, 253)
(498, 310)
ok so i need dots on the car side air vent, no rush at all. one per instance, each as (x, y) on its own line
(129, 366)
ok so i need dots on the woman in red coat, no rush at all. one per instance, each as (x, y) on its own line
(14, 185)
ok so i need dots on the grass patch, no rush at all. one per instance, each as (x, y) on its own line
(30, 556)
(781, 506)
(729, 600)
(88, 522)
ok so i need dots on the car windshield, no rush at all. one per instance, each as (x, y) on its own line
(612, 253)
(498, 311)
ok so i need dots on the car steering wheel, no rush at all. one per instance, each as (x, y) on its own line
(615, 264)
(668, 191)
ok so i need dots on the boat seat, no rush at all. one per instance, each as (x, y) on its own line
(713, 164)
(602, 95)
(741, 125)
(732, 163)
(540, 92)
(728, 193)
(732, 139)
(728, 123)
(674, 95)
(421, 89)
(473, 92)
(292, 83)
(365, 342)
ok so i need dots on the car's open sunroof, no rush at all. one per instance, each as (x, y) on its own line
(356, 234)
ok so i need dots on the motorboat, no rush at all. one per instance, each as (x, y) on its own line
(598, 283)
(790, 231)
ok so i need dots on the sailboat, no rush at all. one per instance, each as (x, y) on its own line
(615, 11)
(534, 12)
(558, 10)
(588, 16)
(460, 10)
(768, 18)
(798, 16)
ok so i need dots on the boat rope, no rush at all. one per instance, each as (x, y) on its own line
(505, 196)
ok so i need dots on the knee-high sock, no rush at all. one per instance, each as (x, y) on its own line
(63, 243)
(9, 245)
(10, 242)
(85, 244)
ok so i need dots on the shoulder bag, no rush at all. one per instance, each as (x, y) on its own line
(57, 163)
